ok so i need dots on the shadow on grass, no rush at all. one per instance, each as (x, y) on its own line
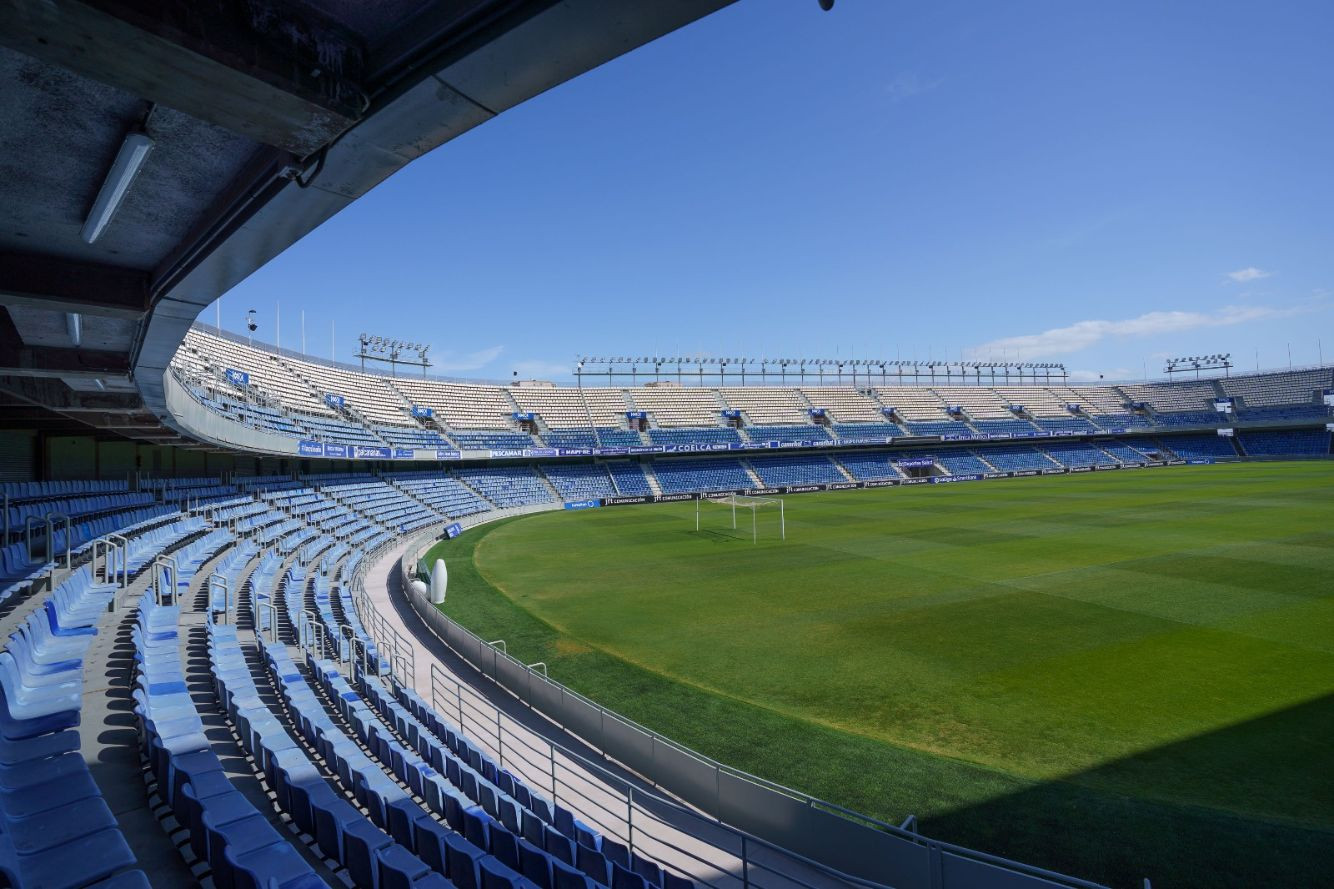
(1082, 825)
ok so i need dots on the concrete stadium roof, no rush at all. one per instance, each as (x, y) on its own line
(267, 118)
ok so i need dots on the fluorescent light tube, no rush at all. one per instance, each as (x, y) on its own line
(133, 152)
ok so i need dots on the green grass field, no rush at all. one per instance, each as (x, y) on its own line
(1117, 675)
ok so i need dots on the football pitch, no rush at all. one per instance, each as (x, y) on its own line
(1117, 675)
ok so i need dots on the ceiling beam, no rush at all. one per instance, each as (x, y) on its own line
(287, 78)
(42, 361)
(45, 282)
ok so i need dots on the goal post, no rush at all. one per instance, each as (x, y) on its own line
(744, 502)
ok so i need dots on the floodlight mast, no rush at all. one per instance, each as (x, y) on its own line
(1197, 363)
(376, 347)
(866, 371)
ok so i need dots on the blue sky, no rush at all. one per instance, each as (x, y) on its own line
(1102, 184)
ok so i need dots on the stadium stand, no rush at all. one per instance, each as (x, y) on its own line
(787, 434)
(682, 476)
(1074, 454)
(814, 469)
(580, 481)
(628, 478)
(506, 485)
(1015, 458)
(877, 431)
(843, 404)
(866, 466)
(715, 435)
(1285, 443)
(1190, 447)
(768, 406)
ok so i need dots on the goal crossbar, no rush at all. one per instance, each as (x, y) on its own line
(745, 501)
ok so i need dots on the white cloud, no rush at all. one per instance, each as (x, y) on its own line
(472, 361)
(1083, 334)
(907, 85)
(1248, 274)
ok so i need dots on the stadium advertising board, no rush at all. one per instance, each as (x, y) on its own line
(336, 450)
(915, 481)
(447, 454)
(802, 489)
(237, 377)
(1024, 473)
(636, 415)
(611, 452)
(582, 504)
(454, 530)
(576, 452)
(915, 462)
(422, 411)
(371, 452)
(1100, 467)
(509, 452)
(524, 416)
(881, 483)
(672, 498)
(543, 452)
(732, 414)
(1053, 471)
(404, 453)
(1081, 469)
(842, 486)
(944, 479)
(310, 448)
(647, 449)
(334, 401)
(625, 501)
(1200, 461)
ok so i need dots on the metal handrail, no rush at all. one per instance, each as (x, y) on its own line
(160, 564)
(228, 603)
(124, 560)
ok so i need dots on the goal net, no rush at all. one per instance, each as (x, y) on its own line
(745, 515)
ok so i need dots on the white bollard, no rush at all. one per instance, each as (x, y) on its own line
(419, 588)
(439, 580)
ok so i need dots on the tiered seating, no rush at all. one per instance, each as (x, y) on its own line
(1077, 453)
(1094, 399)
(678, 405)
(938, 427)
(703, 474)
(1287, 442)
(506, 485)
(768, 406)
(695, 437)
(1173, 397)
(1124, 452)
(866, 431)
(340, 432)
(571, 438)
(1120, 421)
(55, 828)
(370, 394)
(580, 481)
(794, 433)
(226, 830)
(814, 469)
(1190, 447)
(978, 402)
(564, 408)
(912, 402)
(1065, 424)
(414, 437)
(1190, 418)
(483, 439)
(385, 503)
(461, 405)
(1015, 458)
(1010, 426)
(269, 376)
(1274, 390)
(957, 462)
(866, 466)
(442, 493)
(609, 437)
(75, 507)
(844, 404)
(629, 478)
(1038, 401)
